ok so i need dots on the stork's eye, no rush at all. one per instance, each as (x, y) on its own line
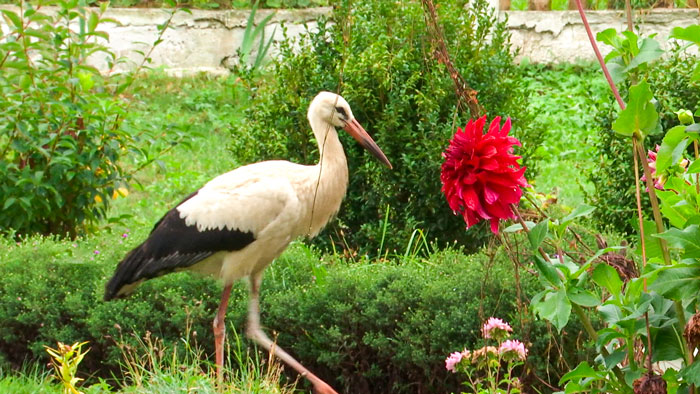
(342, 112)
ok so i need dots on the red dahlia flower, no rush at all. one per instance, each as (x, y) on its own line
(481, 177)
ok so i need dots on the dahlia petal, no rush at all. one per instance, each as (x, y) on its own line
(494, 226)
(490, 195)
(494, 127)
(506, 129)
(490, 164)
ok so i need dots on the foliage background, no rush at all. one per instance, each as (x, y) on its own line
(406, 101)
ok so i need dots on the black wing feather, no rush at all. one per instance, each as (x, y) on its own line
(173, 245)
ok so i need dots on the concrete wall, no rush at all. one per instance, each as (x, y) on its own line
(206, 40)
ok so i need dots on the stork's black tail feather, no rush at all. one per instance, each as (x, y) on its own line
(172, 245)
(124, 274)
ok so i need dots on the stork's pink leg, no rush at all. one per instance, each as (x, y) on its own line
(255, 333)
(220, 332)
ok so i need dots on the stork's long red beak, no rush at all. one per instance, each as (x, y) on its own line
(359, 133)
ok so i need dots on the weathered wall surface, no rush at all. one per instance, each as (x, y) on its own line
(205, 40)
(559, 36)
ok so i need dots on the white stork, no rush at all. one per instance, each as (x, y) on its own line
(239, 222)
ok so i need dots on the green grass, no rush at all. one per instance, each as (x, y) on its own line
(564, 100)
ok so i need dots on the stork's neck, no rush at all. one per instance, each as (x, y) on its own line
(331, 177)
(329, 147)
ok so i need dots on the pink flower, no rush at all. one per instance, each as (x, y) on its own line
(452, 361)
(651, 159)
(481, 177)
(513, 349)
(496, 328)
(96, 252)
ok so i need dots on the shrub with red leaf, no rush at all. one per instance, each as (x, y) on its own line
(481, 177)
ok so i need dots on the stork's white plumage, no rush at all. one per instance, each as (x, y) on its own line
(239, 222)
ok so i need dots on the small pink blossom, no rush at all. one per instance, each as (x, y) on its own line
(96, 252)
(495, 328)
(513, 348)
(452, 361)
(125, 235)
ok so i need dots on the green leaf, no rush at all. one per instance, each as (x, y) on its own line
(640, 115)
(12, 19)
(672, 148)
(691, 373)
(690, 33)
(694, 167)
(555, 308)
(582, 371)
(648, 51)
(538, 233)
(678, 281)
(607, 277)
(547, 271)
(695, 76)
(518, 227)
(614, 358)
(608, 36)
(675, 208)
(582, 297)
(688, 239)
(580, 210)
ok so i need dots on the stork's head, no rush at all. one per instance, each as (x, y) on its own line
(334, 110)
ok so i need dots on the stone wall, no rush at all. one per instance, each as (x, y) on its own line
(205, 40)
(559, 36)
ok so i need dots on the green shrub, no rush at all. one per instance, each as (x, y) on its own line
(61, 138)
(384, 326)
(383, 64)
(613, 177)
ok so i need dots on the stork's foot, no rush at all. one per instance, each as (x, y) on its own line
(322, 387)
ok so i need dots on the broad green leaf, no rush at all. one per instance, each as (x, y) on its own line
(614, 358)
(694, 167)
(582, 297)
(517, 227)
(547, 271)
(606, 335)
(653, 246)
(608, 36)
(678, 281)
(672, 148)
(580, 210)
(607, 277)
(666, 346)
(675, 208)
(640, 115)
(690, 33)
(582, 371)
(648, 51)
(616, 68)
(687, 239)
(691, 373)
(610, 313)
(555, 308)
(538, 233)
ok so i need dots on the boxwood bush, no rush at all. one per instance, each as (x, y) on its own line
(365, 327)
(379, 56)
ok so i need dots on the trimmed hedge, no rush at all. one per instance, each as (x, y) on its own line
(364, 327)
